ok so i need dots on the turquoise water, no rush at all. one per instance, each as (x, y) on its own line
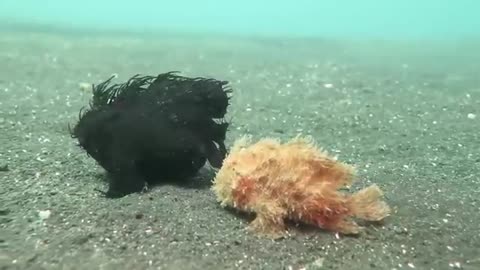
(341, 18)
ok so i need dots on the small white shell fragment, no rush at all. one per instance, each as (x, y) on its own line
(85, 87)
(44, 214)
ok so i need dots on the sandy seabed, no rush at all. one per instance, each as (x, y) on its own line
(405, 113)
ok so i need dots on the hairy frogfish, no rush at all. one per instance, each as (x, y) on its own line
(295, 181)
(154, 129)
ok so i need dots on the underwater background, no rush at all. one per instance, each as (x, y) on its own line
(392, 87)
(344, 18)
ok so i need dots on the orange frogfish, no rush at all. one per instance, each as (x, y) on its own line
(294, 181)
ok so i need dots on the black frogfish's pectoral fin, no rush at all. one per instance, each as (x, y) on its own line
(216, 154)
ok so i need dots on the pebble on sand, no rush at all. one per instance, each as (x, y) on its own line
(4, 168)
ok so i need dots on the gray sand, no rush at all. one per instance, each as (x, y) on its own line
(399, 111)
